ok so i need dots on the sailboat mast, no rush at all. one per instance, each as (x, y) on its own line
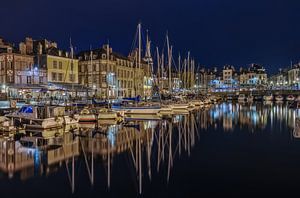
(107, 66)
(188, 71)
(169, 64)
(158, 66)
(179, 66)
(72, 64)
(185, 77)
(162, 70)
(170, 70)
(139, 52)
(91, 59)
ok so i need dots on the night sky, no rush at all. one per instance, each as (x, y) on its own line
(217, 32)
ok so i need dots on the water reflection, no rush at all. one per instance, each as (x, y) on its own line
(142, 148)
(254, 116)
(148, 147)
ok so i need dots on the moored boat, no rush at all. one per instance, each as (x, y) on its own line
(142, 109)
(106, 114)
(268, 97)
(290, 98)
(242, 98)
(87, 115)
(279, 98)
(39, 117)
(166, 110)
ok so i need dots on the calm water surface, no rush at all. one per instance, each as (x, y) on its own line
(228, 149)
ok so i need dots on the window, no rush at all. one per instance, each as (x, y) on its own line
(94, 67)
(28, 79)
(72, 77)
(72, 66)
(55, 64)
(10, 65)
(60, 65)
(60, 77)
(53, 76)
(41, 80)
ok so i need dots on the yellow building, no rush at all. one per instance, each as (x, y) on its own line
(62, 69)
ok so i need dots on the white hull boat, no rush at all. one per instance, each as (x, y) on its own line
(279, 98)
(87, 116)
(48, 123)
(142, 117)
(290, 98)
(143, 110)
(179, 106)
(268, 98)
(166, 110)
(242, 98)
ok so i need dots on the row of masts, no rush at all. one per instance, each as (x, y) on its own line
(166, 69)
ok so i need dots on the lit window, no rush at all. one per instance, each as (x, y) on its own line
(55, 64)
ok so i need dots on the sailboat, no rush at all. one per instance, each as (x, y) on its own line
(136, 107)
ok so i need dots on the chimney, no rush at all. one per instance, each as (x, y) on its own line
(22, 48)
(9, 49)
(29, 45)
(40, 48)
(59, 52)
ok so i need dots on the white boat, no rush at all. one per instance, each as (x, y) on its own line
(179, 106)
(279, 98)
(105, 114)
(196, 102)
(290, 98)
(131, 117)
(144, 110)
(242, 98)
(69, 120)
(39, 117)
(268, 97)
(86, 115)
(166, 110)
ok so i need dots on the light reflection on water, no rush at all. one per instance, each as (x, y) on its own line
(135, 152)
(253, 116)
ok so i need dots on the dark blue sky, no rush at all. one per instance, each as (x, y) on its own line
(217, 32)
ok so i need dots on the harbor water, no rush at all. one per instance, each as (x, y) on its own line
(229, 149)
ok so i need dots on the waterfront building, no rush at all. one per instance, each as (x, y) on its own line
(255, 77)
(202, 79)
(229, 78)
(61, 66)
(113, 75)
(18, 73)
(214, 79)
(108, 73)
(293, 75)
(279, 80)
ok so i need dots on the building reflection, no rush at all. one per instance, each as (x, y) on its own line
(229, 116)
(150, 146)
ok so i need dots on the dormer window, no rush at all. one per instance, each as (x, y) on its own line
(103, 56)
